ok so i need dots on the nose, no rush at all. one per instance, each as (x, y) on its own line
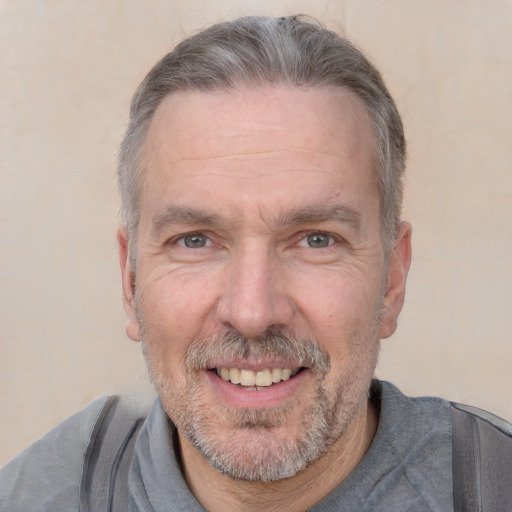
(254, 294)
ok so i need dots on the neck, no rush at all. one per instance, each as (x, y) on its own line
(219, 493)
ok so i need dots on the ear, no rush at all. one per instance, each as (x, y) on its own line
(128, 280)
(398, 268)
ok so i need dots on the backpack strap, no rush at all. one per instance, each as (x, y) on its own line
(482, 461)
(106, 463)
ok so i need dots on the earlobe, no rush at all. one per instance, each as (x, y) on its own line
(398, 268)
(128, 282)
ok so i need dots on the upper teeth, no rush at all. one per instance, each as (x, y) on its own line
(262, 378)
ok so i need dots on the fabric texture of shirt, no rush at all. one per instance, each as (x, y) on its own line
(408, 466)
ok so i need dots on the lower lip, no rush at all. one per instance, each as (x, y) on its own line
(240, 396)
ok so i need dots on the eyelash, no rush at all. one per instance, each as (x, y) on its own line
(183, 237)
(332, 239)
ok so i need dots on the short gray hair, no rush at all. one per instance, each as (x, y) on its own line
(254, 51)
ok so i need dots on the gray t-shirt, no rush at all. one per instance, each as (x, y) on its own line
(407, 468)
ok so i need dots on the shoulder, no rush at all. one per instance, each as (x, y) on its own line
(482, 436)
(433, 411)
(425, 413)
(46, 475)
(474, 445)
(485, 419)
(482, 459)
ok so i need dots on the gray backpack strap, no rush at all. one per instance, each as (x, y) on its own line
(482, 461)
(106, 464)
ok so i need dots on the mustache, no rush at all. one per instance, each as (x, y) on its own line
(272, 344)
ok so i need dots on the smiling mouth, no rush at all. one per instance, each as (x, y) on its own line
(256, 379)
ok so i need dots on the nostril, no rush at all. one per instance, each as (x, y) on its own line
(252, 319)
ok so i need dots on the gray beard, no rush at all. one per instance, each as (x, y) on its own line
(252, 451)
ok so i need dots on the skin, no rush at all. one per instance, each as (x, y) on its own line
(259, 174)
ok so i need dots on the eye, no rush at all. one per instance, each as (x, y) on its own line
(317, 240)
(194, 241)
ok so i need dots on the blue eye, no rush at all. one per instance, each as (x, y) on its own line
(318, 240)
(195, 241)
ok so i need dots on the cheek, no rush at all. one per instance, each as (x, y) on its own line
(343, 318)
(336, 303)
(174, 310)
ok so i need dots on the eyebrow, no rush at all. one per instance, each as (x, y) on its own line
(180, 215)
(322, 213)
(313, 214)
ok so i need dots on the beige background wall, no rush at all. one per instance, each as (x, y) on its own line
(67, 72)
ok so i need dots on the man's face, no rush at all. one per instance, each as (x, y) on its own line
(260, 287)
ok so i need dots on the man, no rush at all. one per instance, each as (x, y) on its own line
(263, 259)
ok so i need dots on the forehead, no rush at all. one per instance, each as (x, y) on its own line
(272, 142)
(185, 116)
